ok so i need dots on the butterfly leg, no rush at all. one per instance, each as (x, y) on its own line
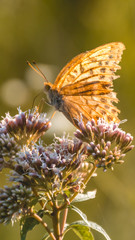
(35, 98)
(52, 115)
(41, 104)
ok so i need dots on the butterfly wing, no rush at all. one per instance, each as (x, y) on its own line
(99, 62)
(86, 83)
(90, 107)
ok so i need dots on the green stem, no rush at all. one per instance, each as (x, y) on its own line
(90, 174)
(85, 182)
(56, 223)
(39, 219)
(64, 220)
(36, 194)
(82, 185)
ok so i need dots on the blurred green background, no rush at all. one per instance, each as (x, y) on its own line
(51, 33)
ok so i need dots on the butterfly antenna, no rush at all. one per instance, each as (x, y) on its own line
(40, 71)
(34, 68)
(37, 71)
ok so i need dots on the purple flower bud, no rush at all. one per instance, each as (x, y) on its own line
(129, 148)
(103, 154)
(92, 145)
(19, 121)
(89, 149)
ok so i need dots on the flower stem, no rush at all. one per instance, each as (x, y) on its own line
(56, 223)
(90, 174)
(82, 185)
(39, 219)
(85, 182)
(40, 202)
(64, 220)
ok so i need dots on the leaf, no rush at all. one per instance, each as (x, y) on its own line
(83, 216)
(46, 236)
(90, 224)
(84, 197)
(98, 228)
(27, 224)
(81, 230)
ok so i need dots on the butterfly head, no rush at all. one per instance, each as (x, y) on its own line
(48, 90)
(47, 87)
(53, 96)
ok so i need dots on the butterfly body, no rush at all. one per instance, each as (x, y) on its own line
(84, 85)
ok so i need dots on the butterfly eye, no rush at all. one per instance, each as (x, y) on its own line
(47, 88)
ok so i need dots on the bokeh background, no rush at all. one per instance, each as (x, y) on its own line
(51, 32)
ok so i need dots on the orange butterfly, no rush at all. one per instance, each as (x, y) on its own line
(84, 85)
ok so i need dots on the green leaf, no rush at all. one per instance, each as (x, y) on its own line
(46, 236)
(27, 224)
(90, 224)
(84, 197)
(98, 228)
(83, 216)
(81, 230)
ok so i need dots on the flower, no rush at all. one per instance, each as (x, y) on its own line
(106, 142)
(15, 132)
(25, 127)
(50, 168)
(14, 201)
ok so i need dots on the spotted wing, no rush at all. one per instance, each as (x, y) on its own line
(90, 107)
(86, 83)
(97, 64)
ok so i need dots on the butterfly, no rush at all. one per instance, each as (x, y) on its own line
(85, 85)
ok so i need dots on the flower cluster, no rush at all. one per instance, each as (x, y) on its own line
(14, 201)
(106, 142)
(25, 127)
(22, 129)
(51, 167)
(56, 172)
